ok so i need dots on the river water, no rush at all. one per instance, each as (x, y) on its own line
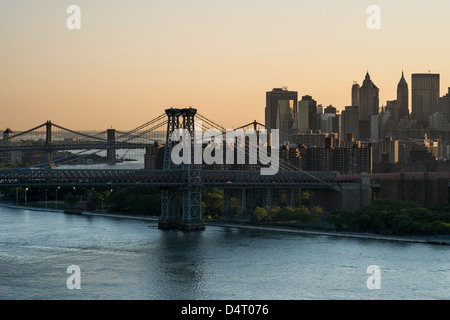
(132, 259)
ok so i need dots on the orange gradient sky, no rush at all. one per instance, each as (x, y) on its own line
(132, 59)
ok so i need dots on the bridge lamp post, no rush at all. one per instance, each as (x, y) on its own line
(45, 198)
(56, 198)
(26, 189)
(17, 196)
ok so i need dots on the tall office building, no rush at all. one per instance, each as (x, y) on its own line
(349, 122)
(355, 94)
(444, 104)
(368, 99)
(425, 95)
(307, 114)
(272, 98)
(285, 119)
(402, 98)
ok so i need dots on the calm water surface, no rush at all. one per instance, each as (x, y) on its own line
(132, 259)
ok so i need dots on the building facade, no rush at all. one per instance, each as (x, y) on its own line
(425, 96)
(369, 102)
(272, 99)
(402, 98)
(307, 114)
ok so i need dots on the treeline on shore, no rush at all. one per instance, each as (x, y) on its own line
(393, 217)
(382, 216)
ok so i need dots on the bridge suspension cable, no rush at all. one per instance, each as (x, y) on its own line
(28, 131)
(282, 163)
(78, 133)
(131, 132)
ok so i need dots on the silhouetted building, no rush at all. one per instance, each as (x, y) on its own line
(364, 129)
(7, 136)
(350, 122)
(290, 154)
(330, 109)
(444, 104)
(154, 156)
(285, 119)
(402, 99)
(328, 123)
(425, 96)
(272, 98)
(307, 114)
(368, 99)
(313, 139)
(355, 94)
(348, 160)
(8, 139)
(438, 121)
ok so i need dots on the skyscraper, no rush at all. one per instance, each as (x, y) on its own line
(368, 99)
(349, 122)
(444, 104)
(402, 98)
(425, 95)
(355, 94)
(307, 114)
(272, 98)
(284, 119)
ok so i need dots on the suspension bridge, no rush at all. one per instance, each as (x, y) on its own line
(57, 153)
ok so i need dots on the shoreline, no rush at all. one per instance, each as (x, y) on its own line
(425, 240)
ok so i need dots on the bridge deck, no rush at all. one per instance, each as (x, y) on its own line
(169, 178)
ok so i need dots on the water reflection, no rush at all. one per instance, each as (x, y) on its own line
(180, 261)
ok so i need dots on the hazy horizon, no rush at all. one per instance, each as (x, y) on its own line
(133, 59)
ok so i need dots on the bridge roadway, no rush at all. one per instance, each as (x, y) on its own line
(222, 179)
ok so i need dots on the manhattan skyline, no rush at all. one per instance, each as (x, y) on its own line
(131, 60)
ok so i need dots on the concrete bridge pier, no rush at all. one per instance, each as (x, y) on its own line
(349, 196)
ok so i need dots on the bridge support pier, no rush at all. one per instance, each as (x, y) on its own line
(170, 210)
(242, 202)
(267, 199)
(246, 203)
(292, 197)
(192, 210)
(179, 210)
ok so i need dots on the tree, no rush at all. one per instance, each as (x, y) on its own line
(317, 210)
(303, 199)
(70, 199)
(212, 202)
(260, 213)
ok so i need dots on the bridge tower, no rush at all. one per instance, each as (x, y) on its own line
(111, 141)
(188, 198)
(173, 123)
(48, 142)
